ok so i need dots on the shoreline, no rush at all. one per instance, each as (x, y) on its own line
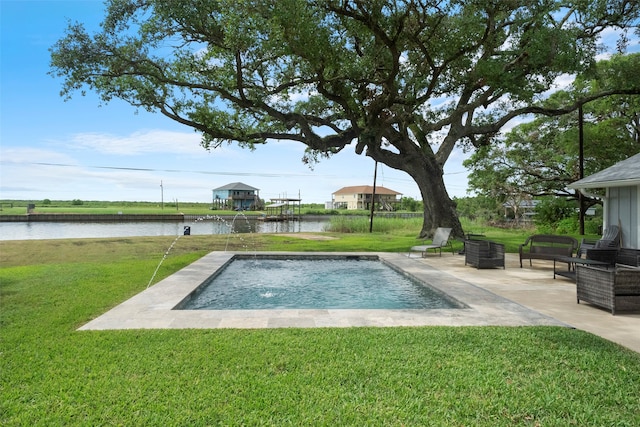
(55, 217)
(83, 217)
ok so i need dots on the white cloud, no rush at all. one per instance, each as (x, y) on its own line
(562, 82)
(141, 142)
(17, 155)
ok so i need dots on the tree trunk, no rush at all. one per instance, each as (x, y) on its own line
(439, 209)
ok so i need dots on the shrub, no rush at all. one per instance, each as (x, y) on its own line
(593, 226)
(552, 210)
(411, 205)
(478, 208)
(568, 226)
(361, 224)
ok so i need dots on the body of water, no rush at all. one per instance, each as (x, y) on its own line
(79, 230)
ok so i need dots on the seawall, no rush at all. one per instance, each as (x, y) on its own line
(45, 217)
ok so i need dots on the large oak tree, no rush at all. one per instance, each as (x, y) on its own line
(403, 82)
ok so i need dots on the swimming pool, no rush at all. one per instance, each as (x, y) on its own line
(263, 282)
(155, 306)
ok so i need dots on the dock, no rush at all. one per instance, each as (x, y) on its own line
(281, 209)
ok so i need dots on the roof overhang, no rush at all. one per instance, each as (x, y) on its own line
(623, 174)
(585, 183)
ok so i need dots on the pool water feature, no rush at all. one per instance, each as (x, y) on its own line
(304, 282)
(187, 231)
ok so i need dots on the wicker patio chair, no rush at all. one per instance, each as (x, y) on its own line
(608, 255)
(483, 254)
(625, 256)
(629, 256)
(610, 239)
(617, 289)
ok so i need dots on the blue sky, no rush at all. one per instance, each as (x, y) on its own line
(77, 149)
(40, 131)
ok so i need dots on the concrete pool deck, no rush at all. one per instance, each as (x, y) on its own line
(493, 297)
(535, 288)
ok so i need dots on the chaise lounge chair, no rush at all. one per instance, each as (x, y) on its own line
(440, 240)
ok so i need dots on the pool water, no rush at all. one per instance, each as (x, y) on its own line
(343, 283)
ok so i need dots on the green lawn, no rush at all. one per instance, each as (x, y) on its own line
(51, 374)
(19, 207)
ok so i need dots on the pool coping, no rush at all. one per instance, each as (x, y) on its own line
(153, 307)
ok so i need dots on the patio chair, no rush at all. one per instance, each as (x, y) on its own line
(440, 240)
(610, 239)
(484, 254)
(608, 255)
(616, 289)
(628, 256)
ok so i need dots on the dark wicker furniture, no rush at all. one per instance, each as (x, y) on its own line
(547, 247)
(483, 254)
(612, 256)
(616, 290)
(608, 255)
(570, 271)
(628, 256)
(610, 239)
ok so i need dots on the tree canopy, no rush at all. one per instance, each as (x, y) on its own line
(402, 82)
(541, 157)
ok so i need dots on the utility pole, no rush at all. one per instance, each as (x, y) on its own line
(373, 197)
(161, 196)
(581, 167)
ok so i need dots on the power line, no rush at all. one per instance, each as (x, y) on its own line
(261, 174)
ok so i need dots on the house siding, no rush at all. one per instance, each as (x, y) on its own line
(623, 206)
(235, 196)
(359, 197)
(622, 201)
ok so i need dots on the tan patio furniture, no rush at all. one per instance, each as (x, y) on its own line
(440, 240)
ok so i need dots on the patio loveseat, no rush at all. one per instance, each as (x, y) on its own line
(547, 247)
